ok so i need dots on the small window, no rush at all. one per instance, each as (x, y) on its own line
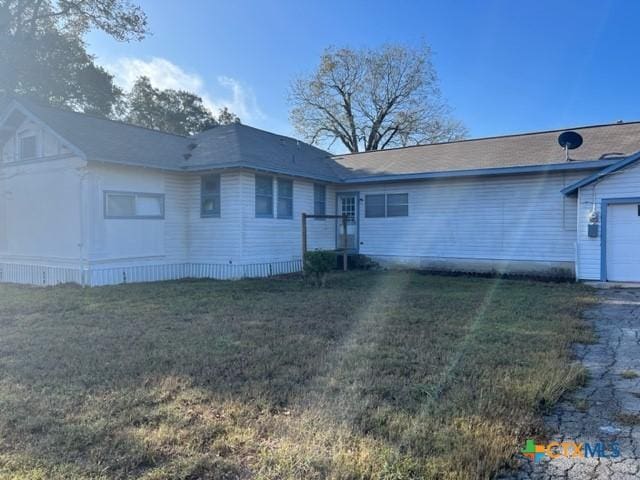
(374, 206)
(398, 205)
(210, 196)
(134, 205)
(285, 198)
(319, 199)
(264, 196)
(28, 147)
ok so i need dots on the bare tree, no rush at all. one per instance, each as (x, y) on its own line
(372, 100)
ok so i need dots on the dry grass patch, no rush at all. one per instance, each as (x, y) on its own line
(629, 374)
(378, 376)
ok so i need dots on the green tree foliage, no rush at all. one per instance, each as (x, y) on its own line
(43, 55)
(174, 111)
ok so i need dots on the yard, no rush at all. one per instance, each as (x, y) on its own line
(379, 375)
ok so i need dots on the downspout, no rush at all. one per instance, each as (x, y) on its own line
(83, 172)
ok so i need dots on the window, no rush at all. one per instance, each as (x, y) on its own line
(374, 206)
(285, 198)
(264, 196)
(398, 205)
(391, 205)
(210, 196)
(133, 205)
(28, 147)
(319, 199)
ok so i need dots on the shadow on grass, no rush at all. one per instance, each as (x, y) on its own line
(381, 375)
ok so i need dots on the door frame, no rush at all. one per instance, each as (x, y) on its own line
(355, 194)
(604, 205)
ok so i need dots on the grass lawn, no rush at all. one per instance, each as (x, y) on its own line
(377, 376)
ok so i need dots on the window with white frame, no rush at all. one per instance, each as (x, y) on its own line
(130, 205)
(264, 196)
(386, 205)
(210, 196)
(285, 198)
(27, 146)
(319, 199)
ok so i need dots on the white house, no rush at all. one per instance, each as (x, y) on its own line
(93, 201)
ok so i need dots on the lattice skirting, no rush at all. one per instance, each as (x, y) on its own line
(46, 275)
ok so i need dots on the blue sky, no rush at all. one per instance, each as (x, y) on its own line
(504, 66)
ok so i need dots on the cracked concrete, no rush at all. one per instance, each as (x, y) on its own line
(593, 413)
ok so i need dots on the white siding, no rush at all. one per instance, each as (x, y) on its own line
(48, 145)
(117, 240)
(40, 221)
(217, 240)
(622, 184)
(518, 218)
(275, 239)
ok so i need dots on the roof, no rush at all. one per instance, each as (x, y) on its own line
(112, 141)
(540, 148)
(241, 146)
(227, 146)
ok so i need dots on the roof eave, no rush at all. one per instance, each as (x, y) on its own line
(479, 172)
(614, 167)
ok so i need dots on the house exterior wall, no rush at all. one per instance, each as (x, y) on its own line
(280, 240)
(518, 224)
(40, 221)
(624, 183)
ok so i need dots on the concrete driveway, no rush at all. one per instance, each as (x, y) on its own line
(607, 410)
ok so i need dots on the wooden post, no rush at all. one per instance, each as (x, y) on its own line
(304, 236)
(344, 242)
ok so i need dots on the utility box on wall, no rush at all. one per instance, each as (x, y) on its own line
(592, 230)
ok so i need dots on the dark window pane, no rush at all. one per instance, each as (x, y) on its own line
(264, 206)
(285, 198)
(211, 184)
(264, 185)
(398, 199)
(397, 210)
(319, 199)
(374, 205)
(28, 147)
(210, 196)
(211, 205)
(397, 205)
(285, 188)
(285, 208)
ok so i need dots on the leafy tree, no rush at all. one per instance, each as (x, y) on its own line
(174, 111)
(43, 55)
(373, 99)
(225, 117)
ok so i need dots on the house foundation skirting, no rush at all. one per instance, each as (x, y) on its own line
(48, 275)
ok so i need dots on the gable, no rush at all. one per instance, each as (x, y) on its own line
(30, 135)
(24, 137)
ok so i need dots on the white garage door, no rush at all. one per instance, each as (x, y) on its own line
(623, 243)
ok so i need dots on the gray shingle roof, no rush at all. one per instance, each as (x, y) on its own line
(242, 146)
(541, 148)
(250, 147)
(226, 146)
(107, 140)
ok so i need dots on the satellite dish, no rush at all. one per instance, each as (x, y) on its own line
(569, 141)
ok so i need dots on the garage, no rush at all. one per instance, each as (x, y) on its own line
(623, 242)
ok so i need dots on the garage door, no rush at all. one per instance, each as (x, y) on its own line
(623, 242)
